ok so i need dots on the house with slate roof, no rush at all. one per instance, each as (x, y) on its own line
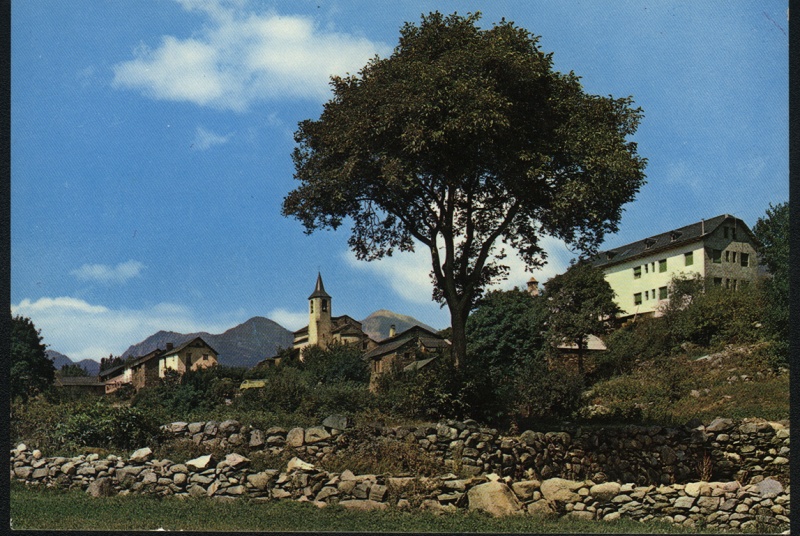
(410, 350)
(721, 249)
(149, 369)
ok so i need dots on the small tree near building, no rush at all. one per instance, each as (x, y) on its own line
(581, 303)
(31, 371)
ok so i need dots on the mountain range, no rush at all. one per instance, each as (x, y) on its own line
(59, 360)
(248, 343)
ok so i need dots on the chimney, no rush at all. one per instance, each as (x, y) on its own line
(170, 346)
(392, 330)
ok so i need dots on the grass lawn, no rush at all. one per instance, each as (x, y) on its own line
(47, 509)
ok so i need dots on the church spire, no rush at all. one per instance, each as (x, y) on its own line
(319, 290)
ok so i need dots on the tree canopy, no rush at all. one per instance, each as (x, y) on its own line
(31, 371)
(581, 303)
(772, 232)
(465, 140)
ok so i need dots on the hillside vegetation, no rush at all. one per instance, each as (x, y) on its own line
(713, 352)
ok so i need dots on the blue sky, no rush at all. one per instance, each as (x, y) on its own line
(151, 145)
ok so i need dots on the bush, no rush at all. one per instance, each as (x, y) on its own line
(102, 425)
(437, 391)
(337, 363)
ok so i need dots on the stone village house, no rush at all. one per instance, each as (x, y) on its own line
(149, 369)
(323, 329)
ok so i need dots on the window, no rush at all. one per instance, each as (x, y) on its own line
(637, 272)
(646, 268)
(688, 258)
(727, 256)
(718, 281)
(733, 256)
(637, 298)
(662, 293)
(662, 265)
(312, 306)
(727, 283)
(324, 306)
(205, 357)
(716, 255)
(646, 295)
(745, 259)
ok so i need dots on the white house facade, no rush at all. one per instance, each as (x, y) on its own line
(721, 249)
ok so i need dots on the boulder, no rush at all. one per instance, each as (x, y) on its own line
(199, 464)
(363, 505)
(604, 492)
(296, 463)
(235, 460)
(102, 487)
(256, 438)
(141, 455)
(562, 490)
(541, 508)
(336, 422)
(295, 437)
(178, 427)
(768, 488)
(315, 434)
(525, 488)
(229, 427)
(260, 481)
(495, 498)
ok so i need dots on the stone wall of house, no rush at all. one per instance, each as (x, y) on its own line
(722, 450)
(761, 504)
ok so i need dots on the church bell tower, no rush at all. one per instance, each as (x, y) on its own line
(319, 315)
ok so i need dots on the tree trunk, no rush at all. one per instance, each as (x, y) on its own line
(458, 321)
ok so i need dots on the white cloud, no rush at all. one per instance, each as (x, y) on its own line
(241, 56)
(104, 273)
(205, 139)
(87, 331)
(290, 320)
(408, 273)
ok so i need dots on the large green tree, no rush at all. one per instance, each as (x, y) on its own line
(465, 140)
(581, 303)
(31, 371)
(772, 232)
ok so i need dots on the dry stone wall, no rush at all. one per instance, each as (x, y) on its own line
(724, 449)
(497, 474)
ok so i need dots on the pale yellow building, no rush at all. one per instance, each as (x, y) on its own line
(721, 249)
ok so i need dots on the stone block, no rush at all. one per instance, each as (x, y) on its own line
(495, 498)
(559, 489)
(295, 438)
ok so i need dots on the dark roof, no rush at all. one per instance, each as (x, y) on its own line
(319, 290)
(113, 371)
(155, 353)
(427, 338)
(664, 241)
(77, 380)
(186, 344)
(337, 323)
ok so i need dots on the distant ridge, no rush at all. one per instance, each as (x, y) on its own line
(378, 323)
(241, 346)
(59, 360)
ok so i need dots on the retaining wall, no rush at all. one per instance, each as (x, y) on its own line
(579, 474)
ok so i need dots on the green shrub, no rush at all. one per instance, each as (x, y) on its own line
(103, 425)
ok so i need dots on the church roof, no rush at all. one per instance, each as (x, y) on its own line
(319, 290)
